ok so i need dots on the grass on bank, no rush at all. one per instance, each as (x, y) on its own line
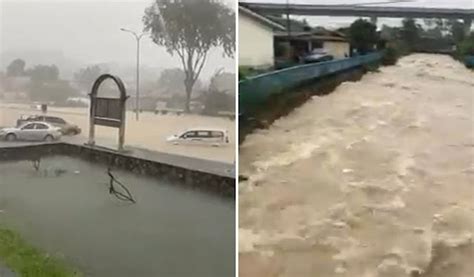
(27, 261)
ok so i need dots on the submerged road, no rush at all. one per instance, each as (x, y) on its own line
(373, 180)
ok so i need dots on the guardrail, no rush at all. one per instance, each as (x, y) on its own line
(469, 61)
(257, 89)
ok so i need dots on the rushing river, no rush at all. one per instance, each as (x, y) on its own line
(373, 180)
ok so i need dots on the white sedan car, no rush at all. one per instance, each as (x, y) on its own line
(31, 131)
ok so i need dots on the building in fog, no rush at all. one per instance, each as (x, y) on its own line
(256, 39)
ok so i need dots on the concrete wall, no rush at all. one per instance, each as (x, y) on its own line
(220, 185)
(338, 49)
(255, 43)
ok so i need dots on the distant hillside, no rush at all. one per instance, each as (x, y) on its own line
(66, 65)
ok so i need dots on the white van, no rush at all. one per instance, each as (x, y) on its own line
(210, 136)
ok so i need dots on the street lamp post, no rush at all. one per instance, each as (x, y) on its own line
(137, 37)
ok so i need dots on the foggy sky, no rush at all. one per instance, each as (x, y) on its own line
(87, 32)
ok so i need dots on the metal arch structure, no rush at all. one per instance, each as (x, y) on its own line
(108, 112)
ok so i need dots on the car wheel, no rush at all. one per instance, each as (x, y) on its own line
(10, 137)
(48, 138)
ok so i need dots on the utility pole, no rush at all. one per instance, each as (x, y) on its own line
(288, 23)
(137, 100)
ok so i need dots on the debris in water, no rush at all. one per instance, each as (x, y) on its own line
(127, 196)
(36, 164)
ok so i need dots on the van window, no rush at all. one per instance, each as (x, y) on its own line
(190, 134)
(203, 134)
(217, 134)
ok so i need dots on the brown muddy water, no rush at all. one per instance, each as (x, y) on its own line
(65, 209)
(373, 180)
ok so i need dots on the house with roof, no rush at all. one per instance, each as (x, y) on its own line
(266, 40)
(302, 42)
(256, 39)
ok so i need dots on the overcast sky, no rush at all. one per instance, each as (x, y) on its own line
(87, 31)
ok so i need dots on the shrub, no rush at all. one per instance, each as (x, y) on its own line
(390, 56)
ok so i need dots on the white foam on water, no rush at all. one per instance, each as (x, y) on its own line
(371, 186)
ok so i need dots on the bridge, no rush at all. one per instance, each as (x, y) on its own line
(374, 12)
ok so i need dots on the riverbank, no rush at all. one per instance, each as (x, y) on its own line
(23, 259)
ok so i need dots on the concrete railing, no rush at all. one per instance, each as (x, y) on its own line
(256, 90)
(199, 180)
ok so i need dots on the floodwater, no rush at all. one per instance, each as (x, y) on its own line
(65, 209)
(149, 132)
(373, 180)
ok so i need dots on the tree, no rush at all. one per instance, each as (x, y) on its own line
(189, 29)
(466, 47)
(223, 81)
(46, 86)
(171, 82)
(16, 68)
(43, 73)
(55, 91)
(363, 35)
(410, 32)
(220, 95)
(389, 33)
(456, 29)
(86, 77)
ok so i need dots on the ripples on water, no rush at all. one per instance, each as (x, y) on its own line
(372, 180)
(170, 231)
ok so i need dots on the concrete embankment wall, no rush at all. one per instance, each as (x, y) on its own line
(213, 183)
(266, 97)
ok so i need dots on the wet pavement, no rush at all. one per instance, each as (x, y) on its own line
(373, 180)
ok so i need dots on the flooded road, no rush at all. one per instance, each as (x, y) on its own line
(373, 180)
(150, 132)
(169, 231)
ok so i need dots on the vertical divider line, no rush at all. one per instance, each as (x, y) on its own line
(236, 137)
